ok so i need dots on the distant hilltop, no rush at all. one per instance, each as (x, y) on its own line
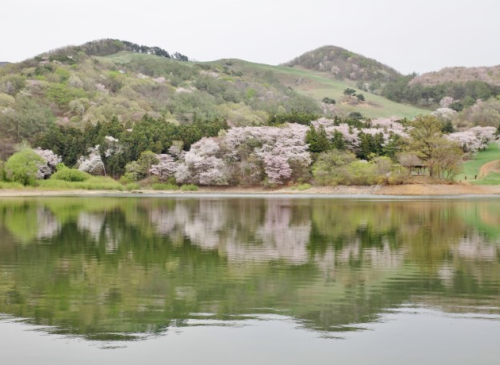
(4, 63)
(344, 64)
(489, 75)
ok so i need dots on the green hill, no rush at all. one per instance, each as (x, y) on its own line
(317, 85)
(93, 82)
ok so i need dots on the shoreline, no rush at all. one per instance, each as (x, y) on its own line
(407, 190)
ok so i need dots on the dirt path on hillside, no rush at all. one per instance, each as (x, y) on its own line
(491, 166)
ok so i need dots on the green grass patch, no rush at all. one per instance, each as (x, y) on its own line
(492, 179)
(71, 175)
(189, 187)
(93, 183)
(10, 185)
(303, 187)
(166, 187)
(471, 168)
(132, 186)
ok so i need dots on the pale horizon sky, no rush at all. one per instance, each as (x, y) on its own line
(420, 36)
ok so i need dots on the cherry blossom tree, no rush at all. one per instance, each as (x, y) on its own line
(277, 168)
(92, 163)
(165, 168)
(444, 114)
(473, 139)
(446, 102)
(280, 153)
(386, 126)
(203, 164)
(51, 160)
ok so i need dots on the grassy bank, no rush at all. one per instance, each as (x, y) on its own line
(409, 190)
(471, 168)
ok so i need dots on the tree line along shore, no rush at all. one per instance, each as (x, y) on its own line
(295, 151)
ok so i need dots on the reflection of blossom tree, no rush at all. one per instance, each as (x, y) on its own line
(211, 225)
(282, 239)
(474, 247)
(95, 225)
(48, 224)
(206, 227)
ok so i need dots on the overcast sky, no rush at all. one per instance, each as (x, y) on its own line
(409, 35)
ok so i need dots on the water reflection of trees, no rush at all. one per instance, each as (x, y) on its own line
(98, 266)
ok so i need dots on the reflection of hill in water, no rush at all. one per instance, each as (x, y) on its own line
(124, 266)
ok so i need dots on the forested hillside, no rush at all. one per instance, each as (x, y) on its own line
(91, 83)
(100, 80)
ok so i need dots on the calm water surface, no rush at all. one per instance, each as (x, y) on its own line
(249, 281)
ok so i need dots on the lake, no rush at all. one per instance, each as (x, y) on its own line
(249, 280)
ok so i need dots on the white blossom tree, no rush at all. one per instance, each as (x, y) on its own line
(51, 160)
(473, 139)
(278, 153)
(165, 168)
(203, 164)
(92, 163)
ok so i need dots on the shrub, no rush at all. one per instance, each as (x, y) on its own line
(189, 187)
(339, 167)
(132, 186)
(330, 167)
(360, 173)
(328, 100)
(22, 167)
(167, 187)
(124, 180)
(138, 170)
(303, 187)
(3, 175)
(71, 175)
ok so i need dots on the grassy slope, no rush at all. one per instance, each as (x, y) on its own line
(312, 83)
(471, 168)
(316, 85)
